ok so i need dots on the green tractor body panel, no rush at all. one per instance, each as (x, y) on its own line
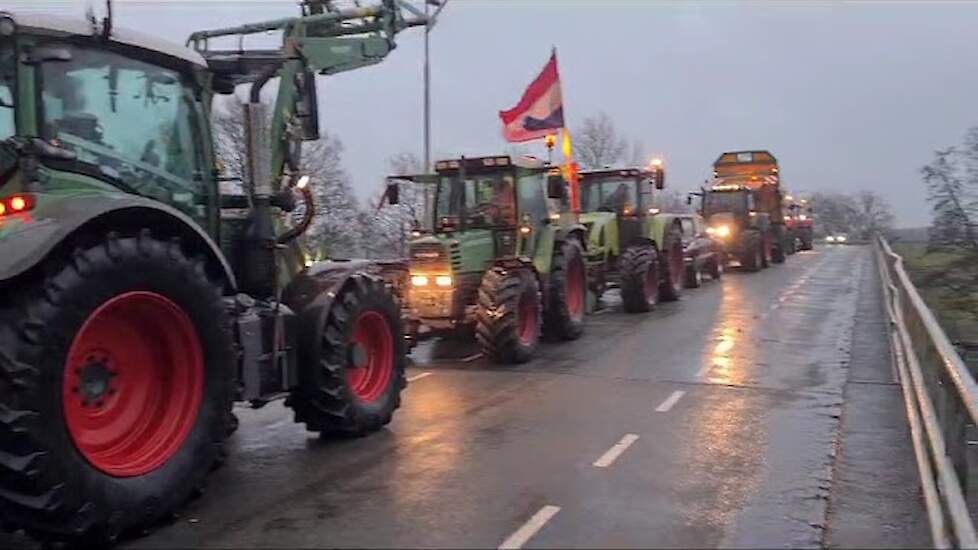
(26, 240)
(602, 233)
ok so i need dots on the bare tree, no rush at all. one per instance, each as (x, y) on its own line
(670, 201)
(597, 142)
(951, 224)
(637, 156)
(874, 215)
(335, 229)
(387, 227)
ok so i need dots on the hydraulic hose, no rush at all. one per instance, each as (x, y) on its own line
(306, 220)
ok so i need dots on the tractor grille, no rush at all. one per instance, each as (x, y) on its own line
(429, 257)
(455, 253)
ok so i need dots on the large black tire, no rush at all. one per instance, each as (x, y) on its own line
(95, 316)
(753, 258)
(791, 245)
(564, 314)
(335, 394)
(509, 315)
(777, 248)
(765, 257)
(673, 265)
(716, 267)
(639, 269)
(693, 276)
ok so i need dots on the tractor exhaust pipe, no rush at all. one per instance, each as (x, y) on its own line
(258, 244)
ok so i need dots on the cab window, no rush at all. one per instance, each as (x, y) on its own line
(8, 70)
(132, 118)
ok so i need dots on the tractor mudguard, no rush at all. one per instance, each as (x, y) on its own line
(26, 239)
(310, 295)
(660, 224)
(547, 242)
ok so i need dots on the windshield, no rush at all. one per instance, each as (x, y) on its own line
(718, 201)
(485, 200)
(133, 120)
(609, 195)
(8, 69)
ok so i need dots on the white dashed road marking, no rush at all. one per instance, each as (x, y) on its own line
(615, 451)
(530, 528)
(670, 401)
(419, 376)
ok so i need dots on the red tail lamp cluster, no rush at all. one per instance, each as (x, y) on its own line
(16, 204)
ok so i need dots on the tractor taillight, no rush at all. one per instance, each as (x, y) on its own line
(16, 204)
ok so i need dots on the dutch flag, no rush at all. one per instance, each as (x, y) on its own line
(540, 111)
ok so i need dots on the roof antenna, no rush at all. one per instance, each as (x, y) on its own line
(107, 20)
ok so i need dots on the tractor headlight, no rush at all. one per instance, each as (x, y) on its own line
(419, 280)
(719, 231)
(802, 217)
(443, 280)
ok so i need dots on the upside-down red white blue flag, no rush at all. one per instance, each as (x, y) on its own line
(540, 111)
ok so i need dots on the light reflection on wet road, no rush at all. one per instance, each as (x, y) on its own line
(480, 453)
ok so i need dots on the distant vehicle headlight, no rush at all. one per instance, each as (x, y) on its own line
(830, 239)
(840, 239)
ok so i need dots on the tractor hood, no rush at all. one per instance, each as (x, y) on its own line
(462, 251)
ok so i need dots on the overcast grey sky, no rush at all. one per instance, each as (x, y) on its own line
(848, 96)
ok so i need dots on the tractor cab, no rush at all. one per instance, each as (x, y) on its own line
(622, 198)
(100, 112)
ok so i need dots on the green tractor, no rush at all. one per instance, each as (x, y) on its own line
(631, 244)
(139, 302)
(500, 257)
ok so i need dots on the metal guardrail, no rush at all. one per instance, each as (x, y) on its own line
(941, 398)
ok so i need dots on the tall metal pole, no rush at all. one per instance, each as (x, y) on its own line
(427, 98)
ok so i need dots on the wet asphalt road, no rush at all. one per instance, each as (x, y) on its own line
(714, 421)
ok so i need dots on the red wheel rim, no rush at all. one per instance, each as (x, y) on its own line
(575, 289)
(133, 383)
(372, 361)
(527, 318)
(651, 285)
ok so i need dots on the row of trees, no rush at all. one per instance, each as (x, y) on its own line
(345, 227)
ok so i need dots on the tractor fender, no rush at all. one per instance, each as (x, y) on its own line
(310, 295)
(577, 230)
(550, 237)
(661, 223)
(25, 241)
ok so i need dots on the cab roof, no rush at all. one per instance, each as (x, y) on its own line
(76, 26)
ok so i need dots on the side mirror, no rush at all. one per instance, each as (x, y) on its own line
(556, 189)
(660, 178)
(393, 193)
(307, 106)
(689, 200)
